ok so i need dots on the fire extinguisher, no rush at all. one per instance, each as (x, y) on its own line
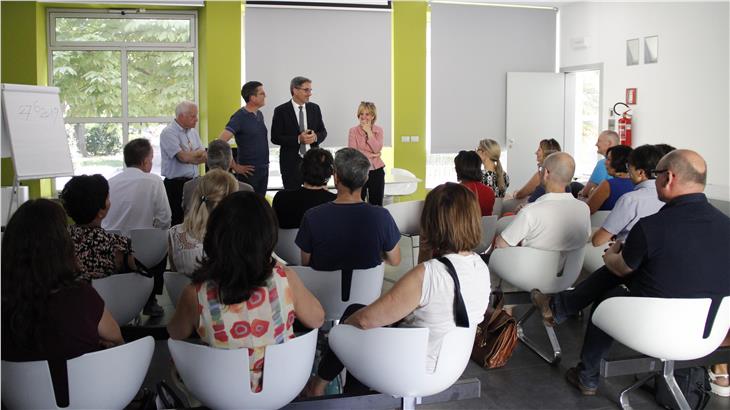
(624, 124)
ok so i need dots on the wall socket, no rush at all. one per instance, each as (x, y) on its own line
(409, 138)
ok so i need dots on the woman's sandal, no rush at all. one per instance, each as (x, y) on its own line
(720, 390)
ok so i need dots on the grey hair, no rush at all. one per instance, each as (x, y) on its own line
(561, 165)
(297, 82)
(351, 168)
(184, 107)
(612, 136)
(219, 155)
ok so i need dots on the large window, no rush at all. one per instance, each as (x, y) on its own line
(121, 77)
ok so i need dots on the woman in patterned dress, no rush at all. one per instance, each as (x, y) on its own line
(494, 175)
(240, 297)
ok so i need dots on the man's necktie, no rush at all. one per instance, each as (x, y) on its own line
(302, 146)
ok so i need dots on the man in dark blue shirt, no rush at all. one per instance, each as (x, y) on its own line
(348, 233)
(247, 126)
(679, 252)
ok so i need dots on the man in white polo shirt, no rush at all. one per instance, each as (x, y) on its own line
(556, 221)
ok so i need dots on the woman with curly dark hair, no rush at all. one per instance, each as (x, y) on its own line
(46, 313)
(240, 297)
(100, 253)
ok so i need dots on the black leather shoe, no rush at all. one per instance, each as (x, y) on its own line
(572, 377)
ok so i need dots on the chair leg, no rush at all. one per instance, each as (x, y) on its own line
(623, 398)
(408, 403)
(414, 252)
(556, 353)
(668, 374)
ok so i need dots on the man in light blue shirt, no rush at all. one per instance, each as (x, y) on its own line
(181, 154)
(632, 206)
(606, 140)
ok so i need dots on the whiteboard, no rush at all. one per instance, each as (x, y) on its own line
(33, 129)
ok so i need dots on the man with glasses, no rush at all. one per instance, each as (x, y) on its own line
(296, 126)
(679, 252)
(248, 127)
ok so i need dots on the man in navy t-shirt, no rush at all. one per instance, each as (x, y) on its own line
(247, 126)
(348, 233)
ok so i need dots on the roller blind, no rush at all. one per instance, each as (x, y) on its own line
(472, 49)
(346, 54)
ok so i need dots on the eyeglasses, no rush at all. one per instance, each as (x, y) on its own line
(306, 90)
(655, 172)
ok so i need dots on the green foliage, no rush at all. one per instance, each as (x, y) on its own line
(103, 139)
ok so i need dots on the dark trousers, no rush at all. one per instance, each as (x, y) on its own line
(330, 365)
(174, 189)
(599, 286)
(291, 174)
(374, 188)
(259, 180)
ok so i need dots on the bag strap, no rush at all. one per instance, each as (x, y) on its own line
(460, 316)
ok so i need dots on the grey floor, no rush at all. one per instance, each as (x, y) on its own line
(526, 382)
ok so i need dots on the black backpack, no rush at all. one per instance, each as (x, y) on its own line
(694, 382)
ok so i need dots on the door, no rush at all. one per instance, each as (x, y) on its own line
(535, 111)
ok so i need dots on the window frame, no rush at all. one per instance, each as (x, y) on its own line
(124, 48)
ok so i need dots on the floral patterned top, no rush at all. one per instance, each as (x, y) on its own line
(95, 250)
(266, 318)
(490, 179)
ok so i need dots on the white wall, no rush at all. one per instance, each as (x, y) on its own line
(683, 99)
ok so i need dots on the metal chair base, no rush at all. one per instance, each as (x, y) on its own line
(553, 358)
(668, 375)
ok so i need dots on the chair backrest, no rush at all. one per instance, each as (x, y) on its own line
(489, 229)
(401, 188)
(594, 257)
(529, 268)
(393, 360)
(509, 205)
(326, 286)
(149, 245)
(665, 328)
(124, 294)
(497, 208)
(286, 248)
(107, 379)
(598, 218)
(175, 282)
(407, 216)
(114, 231)
(219, 378)
(503, 222)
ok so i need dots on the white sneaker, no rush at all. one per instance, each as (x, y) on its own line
(722, 391)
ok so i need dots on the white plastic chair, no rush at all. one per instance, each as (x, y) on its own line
(107, 379)
(401, 188)
(509, 205)
(598, 218)
(175, 282)
(393, 360)
(594, 257)
(529, 268)
(365, 288)
(286, 248)
(407, 216)
(668, 329)
(220, 379)
(124, 294)
(114, 231)
(149, 245)
(503, 222)
(489, 230)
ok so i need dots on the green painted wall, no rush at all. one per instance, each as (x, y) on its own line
(23, 61)
(409, 88)
(220, 65)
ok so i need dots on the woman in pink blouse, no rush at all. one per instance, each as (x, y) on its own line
(368, 139)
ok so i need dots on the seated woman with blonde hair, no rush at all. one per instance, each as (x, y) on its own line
(545, 148)
(424, 297)
(185, 241)
(239, 281)
(494, 177)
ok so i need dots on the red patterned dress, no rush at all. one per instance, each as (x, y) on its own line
(266, 318)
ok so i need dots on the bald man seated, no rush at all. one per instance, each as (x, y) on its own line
(556, 221)
(679, 252)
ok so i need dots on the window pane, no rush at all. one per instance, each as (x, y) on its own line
(133, 30)
(95, 149)
(151, 131)
(90, 82)
(439, 169)
(158, 81)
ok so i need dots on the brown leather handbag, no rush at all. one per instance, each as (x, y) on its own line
(496, 336)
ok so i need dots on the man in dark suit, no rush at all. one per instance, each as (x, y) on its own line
(297, 126)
